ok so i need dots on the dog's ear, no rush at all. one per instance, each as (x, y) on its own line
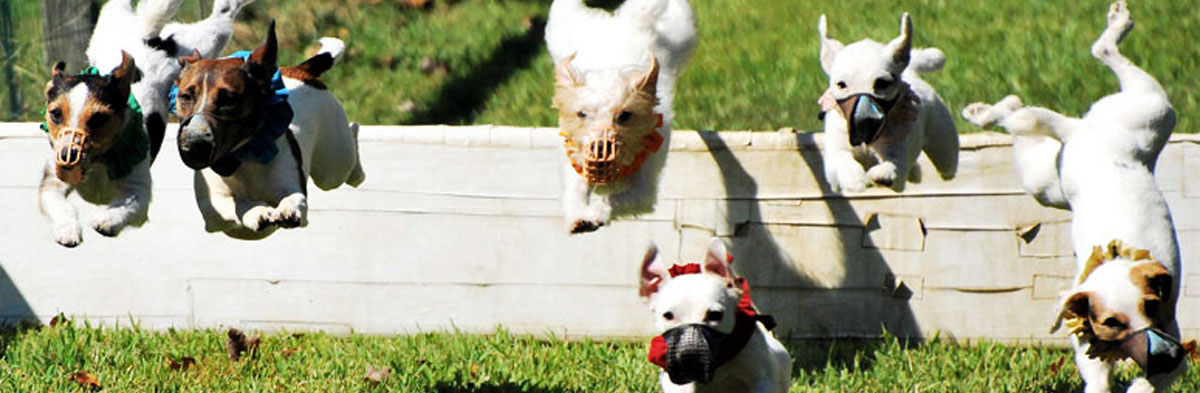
(829, 47)
(901, 47)
(652, 273)
(1079, 304)
(564, 74)
(59, 70)
(126, 74)
(189, 59)
(716, 260)
(262, 62)
(648, 84)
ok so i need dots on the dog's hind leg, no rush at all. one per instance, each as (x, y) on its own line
(53, 201)
(1018, 120)
(941, 141)
(1130, 76)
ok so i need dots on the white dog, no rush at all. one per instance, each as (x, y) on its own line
(712, 338)
(156, 47)
(254, 150)
(614, 104)
(1101, 167)
(879, 113)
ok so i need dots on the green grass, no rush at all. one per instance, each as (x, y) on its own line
(128, 360)
(756, 66)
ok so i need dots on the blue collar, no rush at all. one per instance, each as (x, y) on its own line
(262, 148)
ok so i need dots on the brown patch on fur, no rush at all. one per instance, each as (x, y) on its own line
(1155, 282)
(303, 75)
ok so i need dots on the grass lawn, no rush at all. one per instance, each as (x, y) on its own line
(129, 360)
(756, 66)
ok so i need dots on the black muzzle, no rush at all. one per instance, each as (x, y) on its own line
(1155, 351)
(197, 144)
(692, 353)
(865, 116)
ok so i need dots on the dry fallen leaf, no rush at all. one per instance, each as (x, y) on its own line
(1190, 348)
(290, 351)
(377, 375)
(1057, 365)
(88, 381)
(430, 66)
(58, 319)
(183, 363)
(238, 344)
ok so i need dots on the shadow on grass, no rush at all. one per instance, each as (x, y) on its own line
(491, 387)
(461, 98)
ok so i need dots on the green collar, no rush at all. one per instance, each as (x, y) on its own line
(131, 147)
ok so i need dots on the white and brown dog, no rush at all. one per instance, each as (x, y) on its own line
(712, 337)
(615, 82)
(99, 149)
(255, 133)
(880, 114)
(156, 46)
(1101, 167)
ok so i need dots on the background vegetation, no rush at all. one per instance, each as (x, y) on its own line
(483, 61)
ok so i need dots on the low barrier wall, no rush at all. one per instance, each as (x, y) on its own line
(460, 228)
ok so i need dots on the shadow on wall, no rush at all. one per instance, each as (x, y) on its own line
(460, 99)
(15, 313)
(833, 287)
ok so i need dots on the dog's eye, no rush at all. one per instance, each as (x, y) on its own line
(225, 98)
(98, 120)
(714, 316)
(669, 316)
(185, 97)
(581, 115)
(624, 116)
(882, 84)
(56, 115)
(841, 85)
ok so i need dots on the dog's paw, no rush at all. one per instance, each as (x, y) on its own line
(259, 220)
(848, 180)
(287, 217)
(987, 115)
(109, 223)
(68, 235)
(584, 226)
(1120, 22)
(884, 174)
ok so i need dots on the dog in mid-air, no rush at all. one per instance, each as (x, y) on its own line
(712, 337)
(255, 133)
(1101, 167)
(879, 114)
(156, 44)
(615, 79)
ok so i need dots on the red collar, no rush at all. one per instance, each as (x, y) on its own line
(746, 322)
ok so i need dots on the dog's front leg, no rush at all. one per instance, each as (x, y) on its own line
(53, 200)
(1095, 372)
(130, 205)
(842, 171)
(581, 217)
(892, 169)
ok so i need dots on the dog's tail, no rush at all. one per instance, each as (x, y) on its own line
(154, 14)
(643, 14)
(927, 60)
(310, 70)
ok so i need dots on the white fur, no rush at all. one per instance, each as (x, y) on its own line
(209, 36)
(606, 46)
(258, 198)
(858, 65)
(763, 366)
(1101, 167)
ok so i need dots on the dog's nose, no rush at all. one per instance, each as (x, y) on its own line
(866, 120)
(196, 143)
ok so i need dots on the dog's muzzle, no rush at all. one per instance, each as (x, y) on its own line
(196, 142)
(1155, 351)
(69, 155)
(691, 353)
(865, 116)
(600, 159)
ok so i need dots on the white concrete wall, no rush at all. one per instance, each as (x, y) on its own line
(459, 227)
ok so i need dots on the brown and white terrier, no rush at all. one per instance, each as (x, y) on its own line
(253, 151)
(99, 149)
